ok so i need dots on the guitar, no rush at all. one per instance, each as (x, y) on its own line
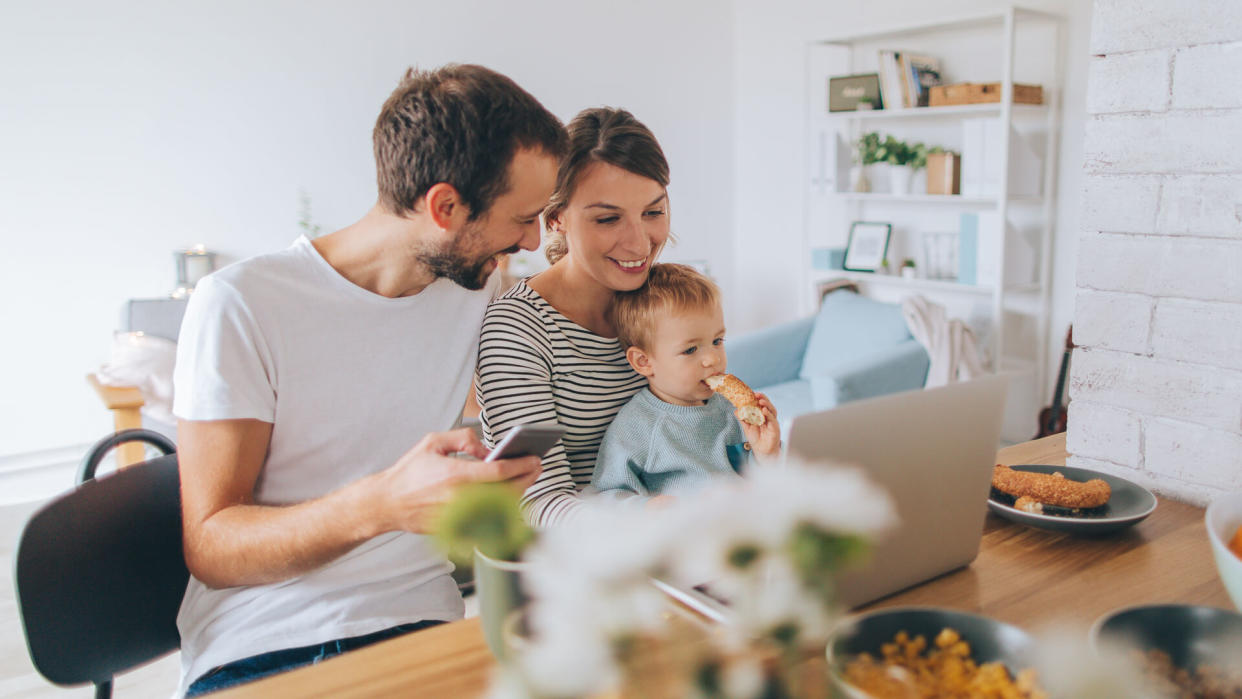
(1054, 419)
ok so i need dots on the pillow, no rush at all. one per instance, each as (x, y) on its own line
(848, 327)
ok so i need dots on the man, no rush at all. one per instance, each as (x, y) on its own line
(304, 376)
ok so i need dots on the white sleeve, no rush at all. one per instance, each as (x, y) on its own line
(224, 365)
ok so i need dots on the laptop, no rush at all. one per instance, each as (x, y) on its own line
(933, 451)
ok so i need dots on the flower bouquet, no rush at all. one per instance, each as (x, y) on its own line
(770, 544)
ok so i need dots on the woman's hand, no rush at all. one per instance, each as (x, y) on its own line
(765, 439)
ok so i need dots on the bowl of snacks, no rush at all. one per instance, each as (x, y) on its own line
(1179, 650)
(929, 651)
(1224, 525)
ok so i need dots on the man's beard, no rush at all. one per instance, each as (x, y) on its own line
(456, 264)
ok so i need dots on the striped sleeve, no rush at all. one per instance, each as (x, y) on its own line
(513, 385)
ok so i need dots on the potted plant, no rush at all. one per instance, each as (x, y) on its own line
(908, 270)
(483, 525)
(904, 159)
(867, 149)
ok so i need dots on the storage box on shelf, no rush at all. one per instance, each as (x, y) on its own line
(1002, 204)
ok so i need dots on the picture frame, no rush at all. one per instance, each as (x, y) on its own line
(867, 246)
(846, 92)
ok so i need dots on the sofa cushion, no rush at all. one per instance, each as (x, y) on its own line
(849, 326)
(791, 399)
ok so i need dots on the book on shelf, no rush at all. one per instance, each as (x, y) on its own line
(890, 81)
(921, 74)
(983, 144)
(978, 251)
(906, 79)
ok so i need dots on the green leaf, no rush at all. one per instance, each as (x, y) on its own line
(483, 515)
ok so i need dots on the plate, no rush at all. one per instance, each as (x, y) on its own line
(990, 640)
(1190, 635)
(1129, 504)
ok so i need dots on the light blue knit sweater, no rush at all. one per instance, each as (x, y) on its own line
(653, 447)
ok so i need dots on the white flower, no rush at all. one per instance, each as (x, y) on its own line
(589, 580)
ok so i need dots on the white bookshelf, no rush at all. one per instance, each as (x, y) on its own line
(958, 111)
(1009, 45)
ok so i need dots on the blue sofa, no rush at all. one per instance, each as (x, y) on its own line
(853, 348)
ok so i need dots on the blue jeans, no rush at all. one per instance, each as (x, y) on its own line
(259, 666)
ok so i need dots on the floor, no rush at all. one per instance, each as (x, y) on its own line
(19, 679)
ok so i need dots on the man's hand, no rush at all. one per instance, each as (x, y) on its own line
(425, 477)
(765, 439)
(230, 540)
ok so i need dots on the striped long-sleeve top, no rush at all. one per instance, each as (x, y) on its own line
(536, 365)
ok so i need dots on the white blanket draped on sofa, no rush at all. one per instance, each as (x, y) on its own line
(949, 342)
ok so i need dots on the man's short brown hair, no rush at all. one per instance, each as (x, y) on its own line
(459, 124)
(669, 288)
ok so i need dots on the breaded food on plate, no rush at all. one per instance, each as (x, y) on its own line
(1050, 489)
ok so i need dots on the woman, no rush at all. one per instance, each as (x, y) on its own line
(547, 353)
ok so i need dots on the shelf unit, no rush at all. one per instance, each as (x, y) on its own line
(829, 208)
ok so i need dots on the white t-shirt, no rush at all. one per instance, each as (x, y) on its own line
(350, 381)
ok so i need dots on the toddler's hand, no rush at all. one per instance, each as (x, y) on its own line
(765, 439)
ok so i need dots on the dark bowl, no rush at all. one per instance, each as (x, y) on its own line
(990, 640)
(1190, 635)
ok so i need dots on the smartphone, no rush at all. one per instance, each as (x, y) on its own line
(527, 440)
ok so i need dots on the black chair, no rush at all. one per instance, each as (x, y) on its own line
(100, 571)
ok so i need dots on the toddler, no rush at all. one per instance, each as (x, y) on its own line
(676, 433)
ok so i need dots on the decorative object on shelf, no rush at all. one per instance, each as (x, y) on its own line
(597, 625)
(944, 172)
(903, 158)
(979, 245)
(940, 255)
(828, 258)
(867, 248)
(848, 93)
(908, 270)
(867, 150)
(193, 264)
(982, 93)
(983, 148)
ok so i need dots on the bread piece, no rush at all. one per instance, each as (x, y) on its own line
(739, 394)
(1050, 489)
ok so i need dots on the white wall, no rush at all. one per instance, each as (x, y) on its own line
(129, 129)
(772, 38)
(1157, 381)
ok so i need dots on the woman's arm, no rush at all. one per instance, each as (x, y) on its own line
(513, 385)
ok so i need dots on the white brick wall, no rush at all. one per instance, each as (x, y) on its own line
(1204, 205)
(1120, 204)
(1200, 332)
(1171, 142)
(1113, 321)
(1156, 381)
(1129, 82)
(1119, 26)
(1103, 432)
(1197, 393)
(1207, 77)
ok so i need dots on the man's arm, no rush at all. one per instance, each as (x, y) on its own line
(230, 541)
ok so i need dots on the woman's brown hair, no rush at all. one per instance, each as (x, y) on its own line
(601, 135)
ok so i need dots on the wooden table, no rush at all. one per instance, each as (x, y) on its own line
(1025, 576)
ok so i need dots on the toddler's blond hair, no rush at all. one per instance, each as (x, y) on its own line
(669, 287)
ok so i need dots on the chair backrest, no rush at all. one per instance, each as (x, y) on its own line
(100, 574)
(849, 326)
